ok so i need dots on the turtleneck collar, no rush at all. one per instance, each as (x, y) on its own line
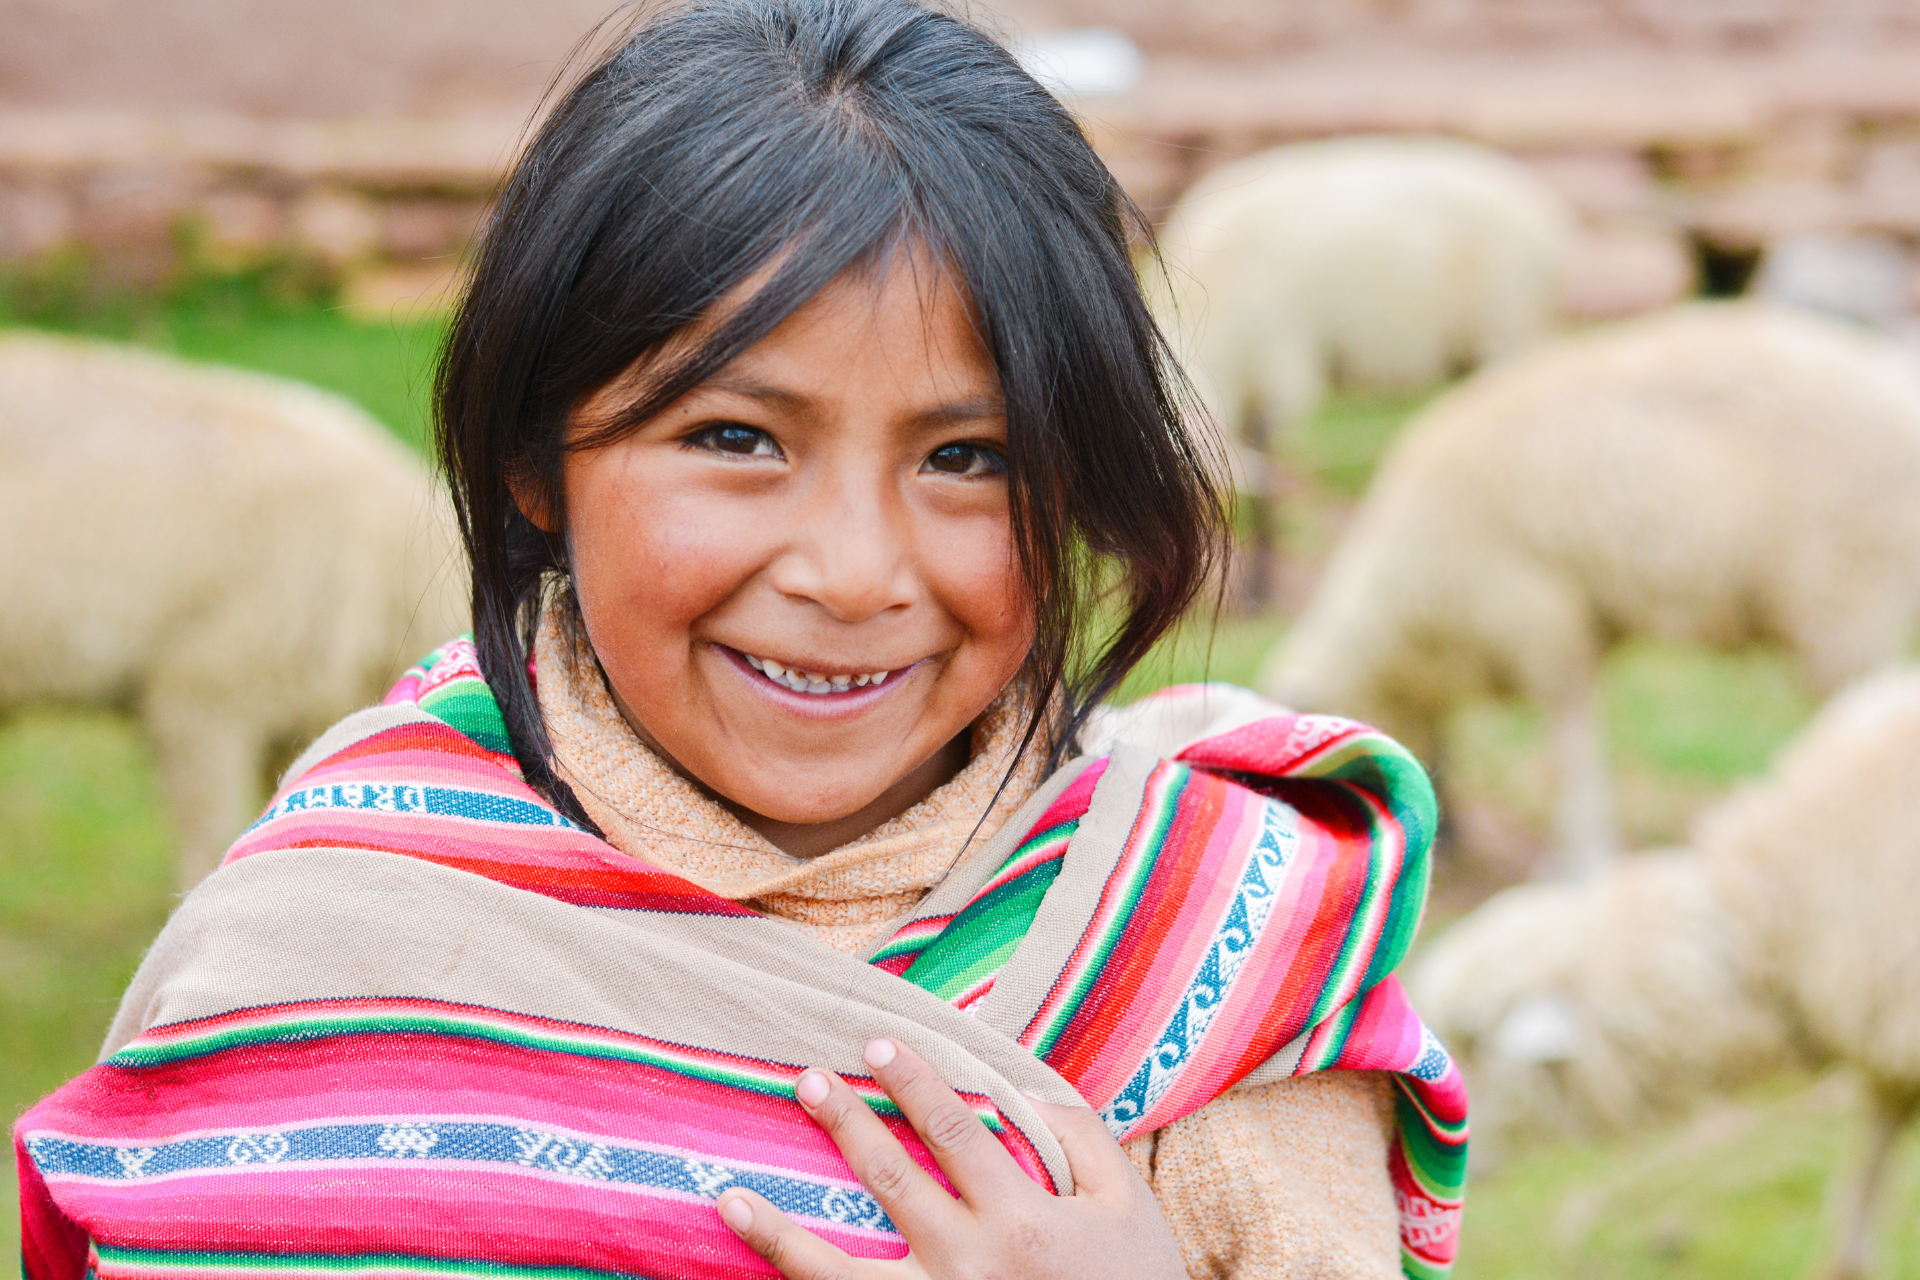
(847, 897)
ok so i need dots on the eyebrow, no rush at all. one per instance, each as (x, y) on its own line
(972, 409)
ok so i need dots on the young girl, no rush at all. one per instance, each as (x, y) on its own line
(739, 895)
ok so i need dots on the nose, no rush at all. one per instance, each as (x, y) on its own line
(849, 552)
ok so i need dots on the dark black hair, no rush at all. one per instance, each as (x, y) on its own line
(729, 135)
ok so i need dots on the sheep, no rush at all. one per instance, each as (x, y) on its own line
(1564, 998)
(1822, 870)
(238, 559)
(1723, 474)
(1785, 936)
(1386, 263)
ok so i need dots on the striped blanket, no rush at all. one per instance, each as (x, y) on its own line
(421, 1024)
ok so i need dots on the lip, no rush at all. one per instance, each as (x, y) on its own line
(820, 706)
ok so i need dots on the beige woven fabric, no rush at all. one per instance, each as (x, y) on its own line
(846, 898)
(1280, 1181)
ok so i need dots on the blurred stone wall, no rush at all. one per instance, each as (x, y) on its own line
(1232, 29)
(288, 59)
(1699, 149)
(366, 136)
(369, 135)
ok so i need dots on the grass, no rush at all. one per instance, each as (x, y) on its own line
(387, 368)
(1739, 1190)
(87, 874)
(268, 318)
(85, 861)
(1341, 445)
(1743, 1187)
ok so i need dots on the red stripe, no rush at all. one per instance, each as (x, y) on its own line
(458, 1212)
(1342, 873)
(441, 740)
(384, 1074)
(1169, 885)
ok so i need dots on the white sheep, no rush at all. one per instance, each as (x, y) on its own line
(1564, 998)
(1723, 474)
(1788, 935)
(1386, 263)
(238, 559)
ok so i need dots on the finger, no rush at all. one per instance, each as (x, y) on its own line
(788, 1247)
(973, 1159)
(1098, 1162)
(919, 1206)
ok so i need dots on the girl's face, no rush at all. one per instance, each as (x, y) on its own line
(800, 578)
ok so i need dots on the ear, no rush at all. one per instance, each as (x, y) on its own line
(531, 495)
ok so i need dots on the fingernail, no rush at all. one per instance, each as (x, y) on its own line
(812, 1089)
(737, 1213)
(880, 1052)
(1028, 1093)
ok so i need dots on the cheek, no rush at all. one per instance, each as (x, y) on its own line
(649, 556)
(984, 590)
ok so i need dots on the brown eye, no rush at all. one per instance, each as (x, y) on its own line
(733, 438)
(962, 459)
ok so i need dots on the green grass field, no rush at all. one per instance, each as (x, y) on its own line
(250, 321)
(1738, 1190)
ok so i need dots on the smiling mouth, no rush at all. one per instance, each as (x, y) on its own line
(816, 683)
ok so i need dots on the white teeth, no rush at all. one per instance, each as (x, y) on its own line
(812, 681)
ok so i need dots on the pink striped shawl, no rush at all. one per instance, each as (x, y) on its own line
(421, 1023)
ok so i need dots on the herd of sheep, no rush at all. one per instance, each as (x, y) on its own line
(1724, 474)
(239, 560)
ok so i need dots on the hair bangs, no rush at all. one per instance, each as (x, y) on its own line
(798, 140)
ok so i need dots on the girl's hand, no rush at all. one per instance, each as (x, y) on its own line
(1003, 1225)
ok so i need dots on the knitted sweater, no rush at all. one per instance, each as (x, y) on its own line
(1287, 1179)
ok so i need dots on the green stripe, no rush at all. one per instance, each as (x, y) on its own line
(467, 707)
(982, 937)
(465, 704)
(1384, 769)
(986, 932)
(911, 939)
(918, 936)
(294, 1031)
(1060, 831)
(1439, 1165)
(1341, 1023)
(317, 1028)
(1179, 777)
(1397, 781)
